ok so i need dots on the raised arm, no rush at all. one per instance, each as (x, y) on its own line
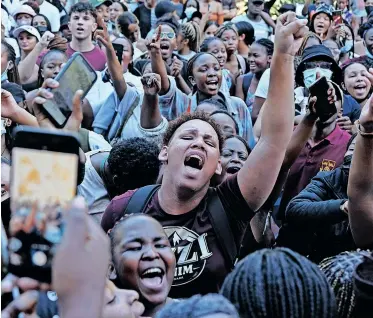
(26, 67)
(150, 113)
(115, 69)
(360, 182)
(158, 66)
(259, 174)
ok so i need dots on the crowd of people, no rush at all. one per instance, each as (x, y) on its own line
(214, 183)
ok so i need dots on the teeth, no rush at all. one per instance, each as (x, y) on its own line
(152, 271)
(198, 158)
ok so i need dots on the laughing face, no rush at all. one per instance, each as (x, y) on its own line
(82, 25)
(206, 74)
(258, 58)
(321, 23)
(192, 156)
(230, 39)
(143, 259)
(217, 48)
(357, 85)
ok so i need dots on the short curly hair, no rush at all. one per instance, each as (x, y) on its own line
(135, 163)
(175, 124)
(83, 7)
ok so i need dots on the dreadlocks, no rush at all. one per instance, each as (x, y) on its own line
(190, 31)
(279, 283)
(339, 272)
(13, 75)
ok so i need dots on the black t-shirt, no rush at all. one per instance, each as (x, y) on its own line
(200, 267)
(144, 15)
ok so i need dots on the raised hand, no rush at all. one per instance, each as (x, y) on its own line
(366, 118)
(151, 83)
(46, 38)
(102, 35)
(25, 303)
(176, 67)
(289, 33)
(76, 117)
(154, 45)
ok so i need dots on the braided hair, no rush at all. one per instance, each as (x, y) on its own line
(267, 44)
(339, 271)
(279, 283)
(13, 75)
(226, 27)
(199, 306)
(190, 31)
(206, 42)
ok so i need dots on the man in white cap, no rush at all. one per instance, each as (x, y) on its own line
(23, 15)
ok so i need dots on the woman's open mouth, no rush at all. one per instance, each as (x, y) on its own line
(360, 89)
(165, 48)
(212, 84)
(233, 169)
(194, 161)
(152, 278)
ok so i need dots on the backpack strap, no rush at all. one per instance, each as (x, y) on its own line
(246, 84)
(220, 223)
(141, 199)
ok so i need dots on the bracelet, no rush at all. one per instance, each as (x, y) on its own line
(362, 133)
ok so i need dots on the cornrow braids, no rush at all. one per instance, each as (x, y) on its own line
(279, 283)
(339, 271)
(13, 75)
(267, 44)
(226, 27)
(190, 31)
(206, 42)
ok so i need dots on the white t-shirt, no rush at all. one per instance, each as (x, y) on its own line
(261, 29)
(52, 13)
(263, 85)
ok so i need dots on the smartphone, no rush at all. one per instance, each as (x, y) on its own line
(118, 48)
(43, 180)
(337, 17)
(324, 109)
(77, 74)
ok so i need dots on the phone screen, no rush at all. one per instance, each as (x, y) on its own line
(43, 178)
(337, 17)
(77, 75)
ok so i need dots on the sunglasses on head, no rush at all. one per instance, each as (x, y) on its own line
(167, 35)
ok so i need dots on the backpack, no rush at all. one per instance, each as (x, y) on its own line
(247, 78)
(217, 215)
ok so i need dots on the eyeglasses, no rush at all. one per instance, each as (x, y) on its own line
(324, 65)
(167, 35)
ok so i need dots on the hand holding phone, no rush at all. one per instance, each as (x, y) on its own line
(43, 180)
(325, 103)
(44, 94)
(337, 17)
(76, 75)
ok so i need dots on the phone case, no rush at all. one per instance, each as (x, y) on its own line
(59, 108)
(324, 109)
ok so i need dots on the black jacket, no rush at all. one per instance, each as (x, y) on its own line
(314, 225)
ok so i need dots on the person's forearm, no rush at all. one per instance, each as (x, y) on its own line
(182, 85)
(305, 8)
(257, 106)
(360, 192)
(22, 117)
(150, 113)
(116, 73)
(267, 19)
(26, 67)
(159, 67)
(278, 116)
(299, 138)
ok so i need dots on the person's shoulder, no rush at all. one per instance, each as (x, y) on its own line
(242, 17)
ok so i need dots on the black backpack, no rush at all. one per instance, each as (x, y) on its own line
(217, 215)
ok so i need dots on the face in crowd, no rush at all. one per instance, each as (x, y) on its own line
(26, 41)
(255, 7)
(217, 48)
(143, 259)
(82, 25)
(168, 42)
(321, 23)
(115, 10)
(355, 82)
(210, 30)
(52, 64)
(103, 11)
(230, 40)
(258, 58)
